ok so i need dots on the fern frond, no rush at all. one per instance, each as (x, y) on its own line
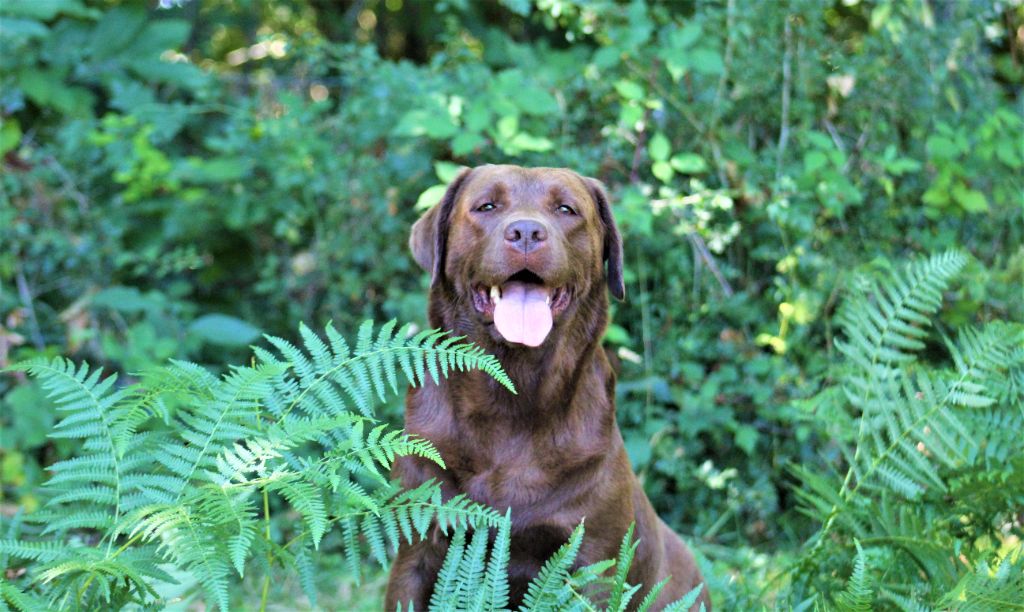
(20, 600)
(188, 537)
(471, 571)
(617, 599)
(34, 551)
(331, 370)
(884, 321)
(447, 585)
(989, 589)
(684, 603)
(906, 425)
(96, 412)
(858, 595)
(497, 566)
(551, 589)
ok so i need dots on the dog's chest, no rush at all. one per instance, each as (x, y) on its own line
(516, 473)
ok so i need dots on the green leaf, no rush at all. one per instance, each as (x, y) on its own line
(814, 160)
(746, 438)
(116, 30)
(684, 37)
(663, 171)
(216, 170)
(224, 330)
(508, 126)
(46, 88)
(659, 147)
(940, 147)
(447, 171)
(45, 9)
(629, 90)
(689, 163)
(971, 200)
(420, 122)
(10, 135)
(431, 196)
(707, 61)
(467, 142)
(25, 29)
(529, 142)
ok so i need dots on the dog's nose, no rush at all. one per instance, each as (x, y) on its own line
(525, 235)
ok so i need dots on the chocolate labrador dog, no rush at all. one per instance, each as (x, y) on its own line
(519, 260)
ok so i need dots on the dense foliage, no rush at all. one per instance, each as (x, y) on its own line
(824, 424)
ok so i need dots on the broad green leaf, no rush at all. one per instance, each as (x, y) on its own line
(431, 196)
(45, 9)
(814, 160)
(684, 37)
(216, 170)
(467, 142)
(508, 126)
(707, 61)
(663, 171)
(117, 28)
(528, 142)
(689, 163)
(446, 171)
(659, 147)
(24, 29)
(940, 147)
(629, 90)
(10, 135)
(224, 330)
(971, 200)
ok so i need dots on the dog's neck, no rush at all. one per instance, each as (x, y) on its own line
(548, 379)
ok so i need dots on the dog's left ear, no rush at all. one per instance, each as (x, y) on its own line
(429, 238)
(612, 239)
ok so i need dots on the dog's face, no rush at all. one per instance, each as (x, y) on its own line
(519, 247)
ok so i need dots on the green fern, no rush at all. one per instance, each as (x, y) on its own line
(945, 437)
(858, 596)
(332, 370)
(990, 589)
(464, 584)
(178, 468)
(884, 323)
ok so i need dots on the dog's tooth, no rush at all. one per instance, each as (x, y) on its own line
(495, 295)
(547, 299)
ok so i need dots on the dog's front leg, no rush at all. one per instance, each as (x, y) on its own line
(414, 572)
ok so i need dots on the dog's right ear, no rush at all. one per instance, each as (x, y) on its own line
(429, 238)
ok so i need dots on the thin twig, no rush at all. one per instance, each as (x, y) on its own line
(709, 260)
(857, 148)
(834, 133)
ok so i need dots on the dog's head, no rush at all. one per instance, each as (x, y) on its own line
(517, 248)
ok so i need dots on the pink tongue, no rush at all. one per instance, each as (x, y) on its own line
(523, 315)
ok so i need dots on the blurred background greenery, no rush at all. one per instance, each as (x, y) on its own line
(179, 178)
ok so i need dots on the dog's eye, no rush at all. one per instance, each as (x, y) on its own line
(486, 207)
(565, 210)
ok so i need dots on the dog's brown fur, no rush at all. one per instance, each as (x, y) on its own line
(553, 452)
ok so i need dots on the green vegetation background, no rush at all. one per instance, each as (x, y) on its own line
(179, 179)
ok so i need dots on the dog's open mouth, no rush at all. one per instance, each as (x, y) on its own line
(523, 307)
